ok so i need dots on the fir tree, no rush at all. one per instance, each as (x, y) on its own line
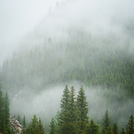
(109, 130)
(1, 107)
(130, 126)
(40, 127)
(103, 130)
(19, 118)
(64, 113)
(7, 111)
(92, 128)
(115, 129)
(106, 120)
(83, 110)
(73, 113)
(52, 127)
(123, 131)
(24, 124)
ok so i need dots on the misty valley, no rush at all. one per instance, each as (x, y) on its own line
(72, 74)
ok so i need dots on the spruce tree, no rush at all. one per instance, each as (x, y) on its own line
(123, 131)
(64, 113)
(73, 113)
(115, 129)
(92, 128)
(109, 130)
(7, 111)
(19, 118)
(130, 126)
(24, 124)
(40, 127)
(83, 110)
(106, 120)
(52, 127)
(103, 130)
(1, 107)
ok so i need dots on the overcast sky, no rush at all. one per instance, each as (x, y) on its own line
(17, 17)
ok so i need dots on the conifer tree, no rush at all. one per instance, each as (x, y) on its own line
(123, 131)
(64, 113)
(109, 130)
(19, 118)
(103, 130)
(32, 125)
(130, 126)
(24, 121)
(115, 129)
(92, 128)
(73, 113)
(83, 110)
(41, 128)
(52, 127)
(1, 107)
(106, 120)
(7, 111)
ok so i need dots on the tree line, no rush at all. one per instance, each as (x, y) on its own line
(71, 119)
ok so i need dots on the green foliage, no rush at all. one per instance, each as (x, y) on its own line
(52, 127)
(115, 129)
(130, 126)
(123, 131)
(109, 130)
(106, 120)
(83, 110)
(19, 119)
(103, 130)
(92, 128)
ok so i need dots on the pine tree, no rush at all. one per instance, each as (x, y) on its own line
(83, 110)
(123, 131)
(73, 113)
(19, 118)
(7, 111)
(1, 107)
(103, 130)
(130, 126)
(52, 127)
(109, 130)
(24, 124)
(41, 128)
(92, 128)
(64, 113)
(115, 129)
(32, 125)
(106, 120)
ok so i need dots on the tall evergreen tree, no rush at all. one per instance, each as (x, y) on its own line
(115, 129)
(64, 114)
(40, 127)
(83, 110)
(1, 107)
(73, 113)
(103, 130)
(130, 126)
(7, 111)
(123, 131)
(106, 120)
(109, 130)
(52, 127)
(19, 118)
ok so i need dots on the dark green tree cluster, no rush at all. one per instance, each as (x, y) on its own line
(5, 114)
(72, 117)
(35, 127)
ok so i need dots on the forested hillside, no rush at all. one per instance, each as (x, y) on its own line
(67, 53)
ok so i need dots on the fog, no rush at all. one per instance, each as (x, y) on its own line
(39, 35)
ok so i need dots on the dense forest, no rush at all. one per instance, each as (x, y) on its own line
(33, 79)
